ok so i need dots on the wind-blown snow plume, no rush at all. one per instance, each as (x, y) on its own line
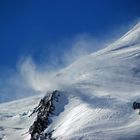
(43, 79)
(33, 77)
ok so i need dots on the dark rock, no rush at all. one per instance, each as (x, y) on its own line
(44, 111)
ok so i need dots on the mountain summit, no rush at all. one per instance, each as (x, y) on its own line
(95, 100)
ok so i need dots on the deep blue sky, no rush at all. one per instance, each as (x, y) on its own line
(30, 26)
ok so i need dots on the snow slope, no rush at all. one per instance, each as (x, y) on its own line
(99, 89)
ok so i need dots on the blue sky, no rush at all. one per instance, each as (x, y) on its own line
(29, 27)
(47, 29)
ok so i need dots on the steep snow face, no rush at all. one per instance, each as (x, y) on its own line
(116, 67)
(99, 88)
(130, 39)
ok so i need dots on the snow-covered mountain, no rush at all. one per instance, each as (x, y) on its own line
(96, 97)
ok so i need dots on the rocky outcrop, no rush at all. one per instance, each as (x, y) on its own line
(45, 110)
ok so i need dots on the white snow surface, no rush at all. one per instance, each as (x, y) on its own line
(97, 93)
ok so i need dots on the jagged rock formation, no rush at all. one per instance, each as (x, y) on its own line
(44, 112)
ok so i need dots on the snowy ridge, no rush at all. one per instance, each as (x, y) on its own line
(130, 39)
(97, 94)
